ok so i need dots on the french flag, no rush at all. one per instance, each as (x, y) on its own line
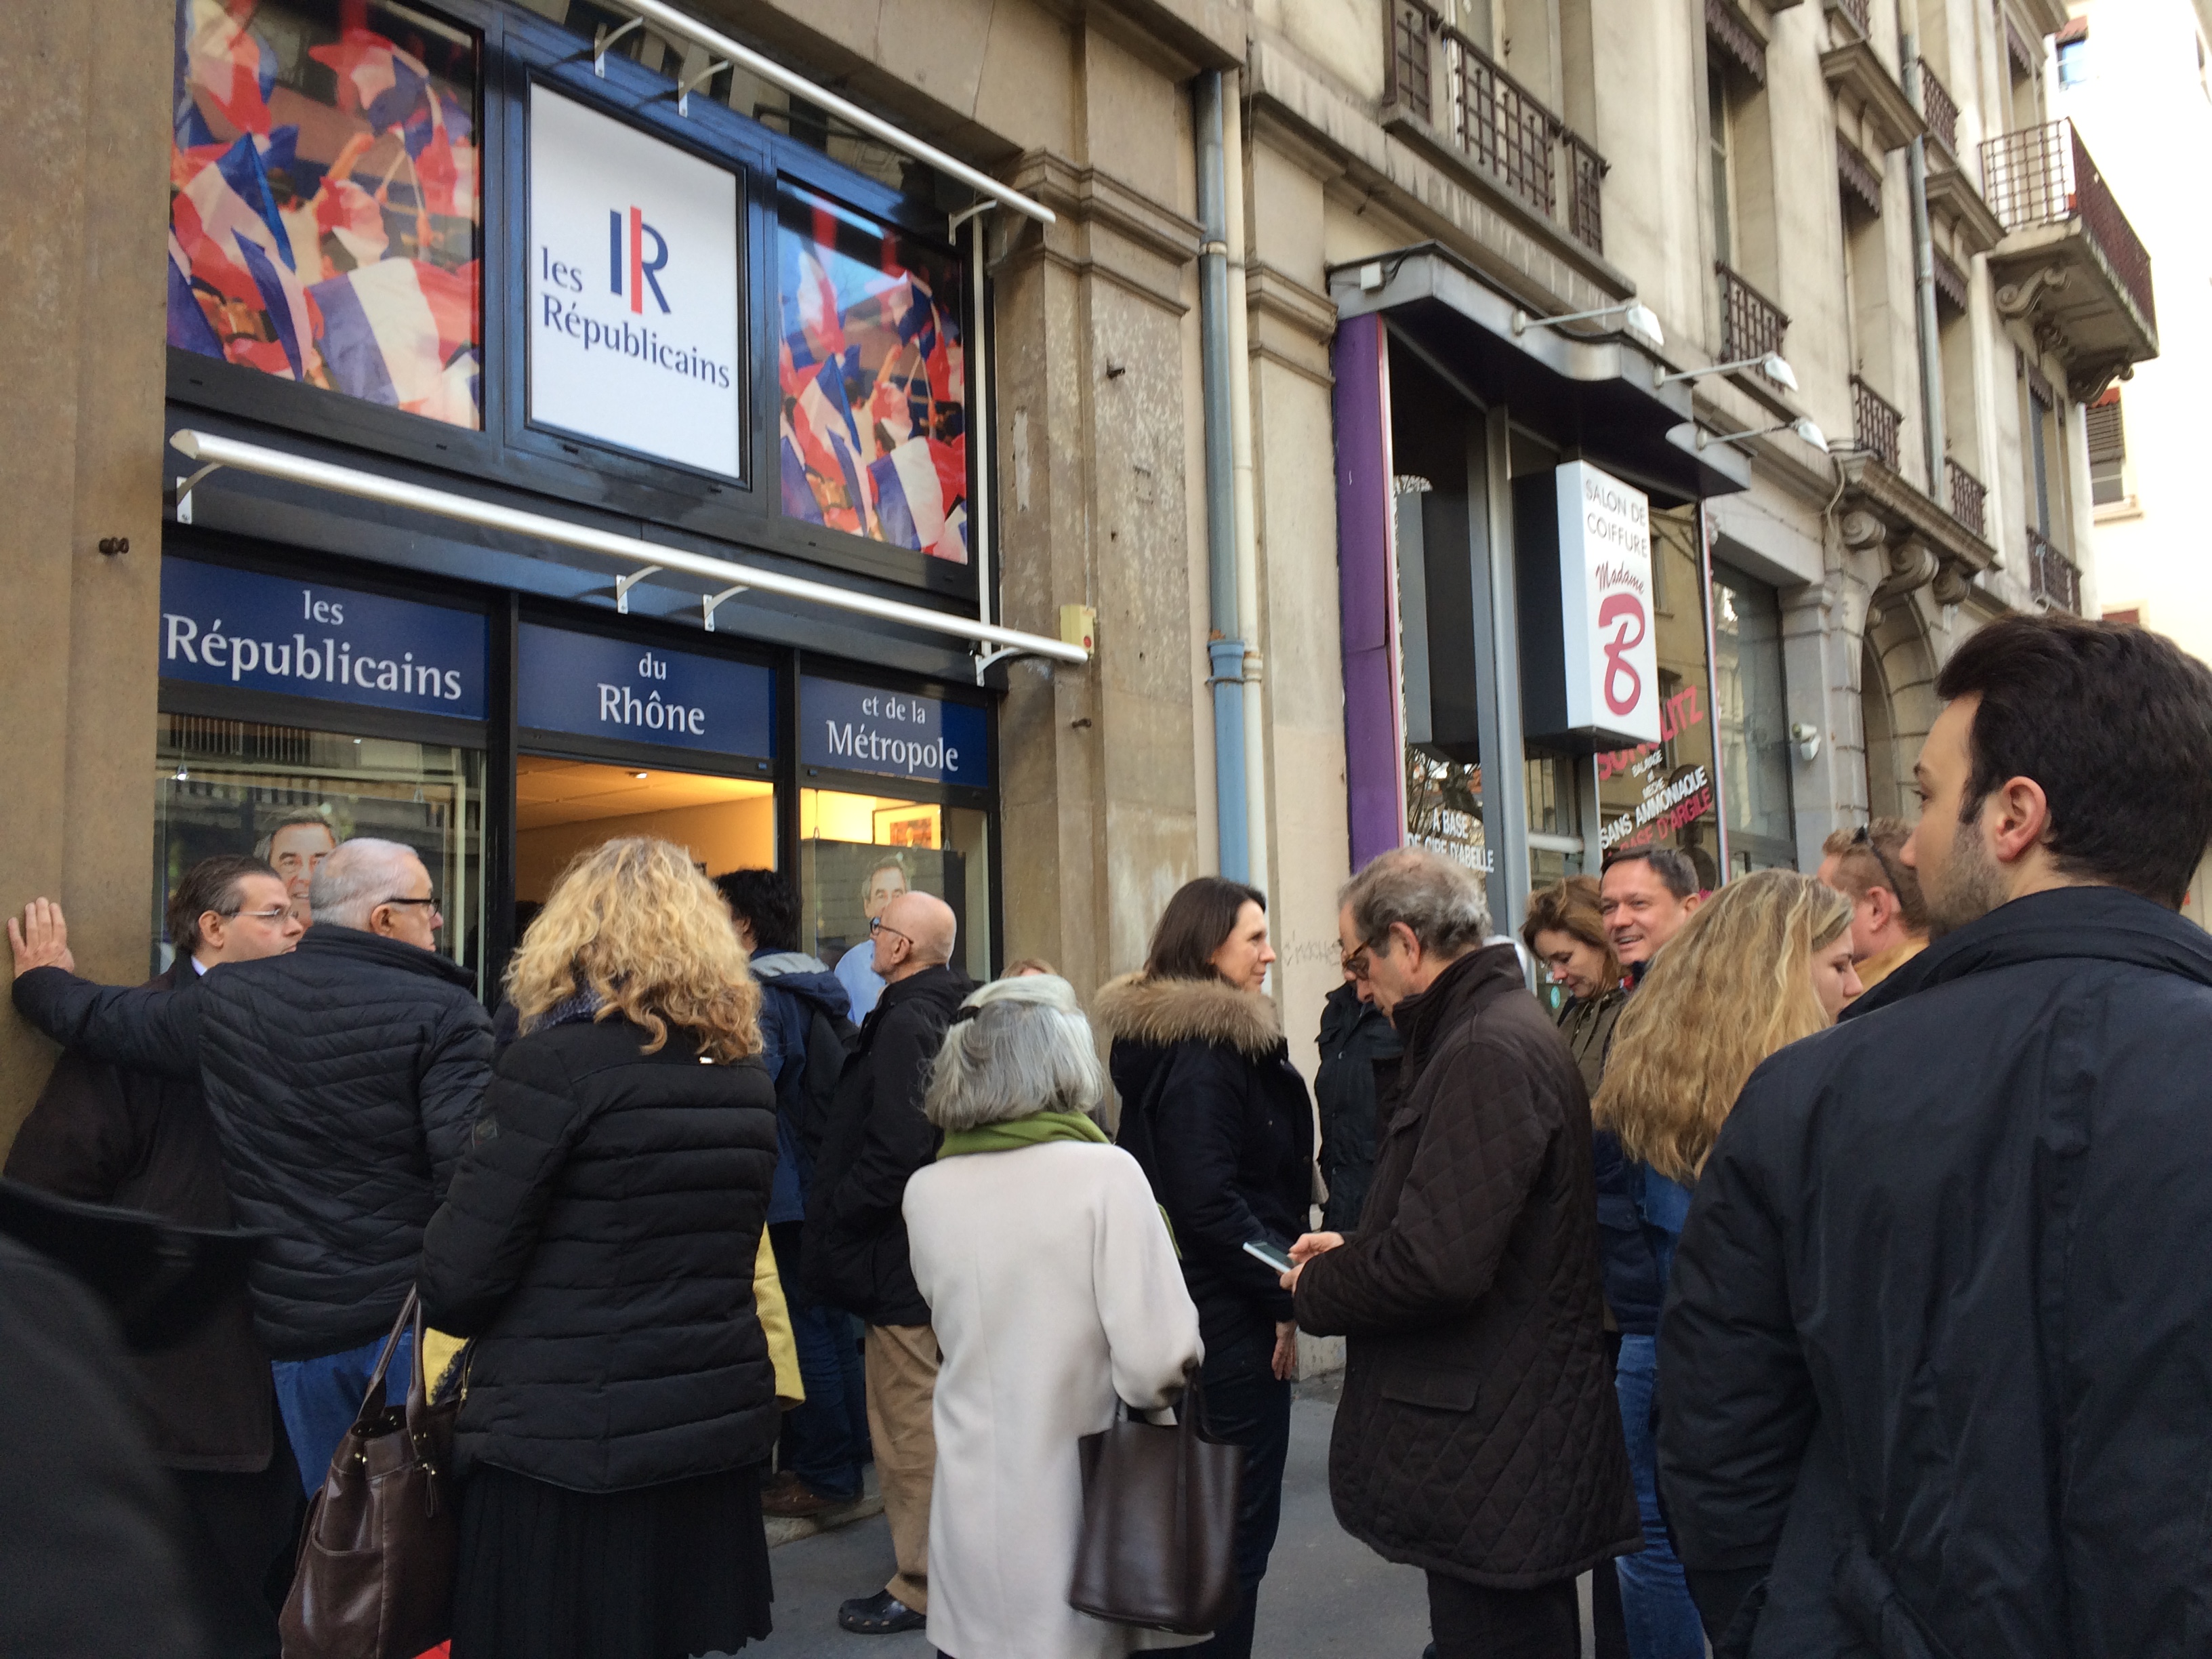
(235, 67)
(921, 488)
(392, 331)
(822, 425)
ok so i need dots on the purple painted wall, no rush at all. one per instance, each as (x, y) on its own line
(1374, 751)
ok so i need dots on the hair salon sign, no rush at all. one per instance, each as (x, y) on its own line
(1605, 595)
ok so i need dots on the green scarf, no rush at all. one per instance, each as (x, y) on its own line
(1031, 1131)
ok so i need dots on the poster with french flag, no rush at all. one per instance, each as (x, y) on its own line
(324, 208)
(874, 439)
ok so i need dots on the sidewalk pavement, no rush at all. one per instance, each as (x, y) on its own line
(1325, 1594)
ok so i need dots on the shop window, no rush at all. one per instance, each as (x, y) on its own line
(874, 438)
(859, 851)
(1662, 794)
(326, 200)
(1751, 717)
(289, 795)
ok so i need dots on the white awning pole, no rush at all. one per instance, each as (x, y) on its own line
(671, 21)
(631, 551)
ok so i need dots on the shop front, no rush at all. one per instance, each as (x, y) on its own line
(594, 460)
(1528, 573)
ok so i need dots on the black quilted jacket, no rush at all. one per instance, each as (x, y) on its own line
(1478, 1435)
(600, 1241)
(343, 1079)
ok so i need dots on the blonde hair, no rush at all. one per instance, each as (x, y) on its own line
(1735, 986)
(634, 923)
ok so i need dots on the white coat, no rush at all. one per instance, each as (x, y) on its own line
(1053, 1288)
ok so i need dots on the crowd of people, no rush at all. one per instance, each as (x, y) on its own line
(1817, 1281)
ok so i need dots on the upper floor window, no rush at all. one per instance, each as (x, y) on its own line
(2074, 53)
(1717, 152)
(326, 209)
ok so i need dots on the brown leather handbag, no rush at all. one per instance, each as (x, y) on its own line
(1159, 1523)
(375, 1573)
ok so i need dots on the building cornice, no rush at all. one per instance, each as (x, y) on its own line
(1855, 73)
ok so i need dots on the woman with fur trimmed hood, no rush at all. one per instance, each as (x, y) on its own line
(1219, 1119)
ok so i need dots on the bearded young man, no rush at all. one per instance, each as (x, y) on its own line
(1932, 1371)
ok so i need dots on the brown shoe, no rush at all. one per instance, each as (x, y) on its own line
(792, 1499)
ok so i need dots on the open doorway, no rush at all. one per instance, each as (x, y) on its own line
(563, 806)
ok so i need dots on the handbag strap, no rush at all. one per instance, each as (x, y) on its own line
(372, 1398)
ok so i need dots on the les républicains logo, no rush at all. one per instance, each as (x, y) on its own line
(631, 276)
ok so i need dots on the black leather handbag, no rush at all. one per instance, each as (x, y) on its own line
(375, 1572)
(1157, 1548)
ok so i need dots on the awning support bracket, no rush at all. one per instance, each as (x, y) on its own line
(709, 603)
(181, 497)
(985, 659)
(623, 584)
(685, 89)
(604, 38)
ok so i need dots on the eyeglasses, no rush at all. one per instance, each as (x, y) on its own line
(432, 902)
(1356, 962)
(878, 924)
(277, 915)
(1862, 836)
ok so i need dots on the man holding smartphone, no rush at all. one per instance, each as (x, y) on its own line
(1478, 1439)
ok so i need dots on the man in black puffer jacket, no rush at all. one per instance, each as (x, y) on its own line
(1932, 1372)
(343, 1078)
(855, 1238)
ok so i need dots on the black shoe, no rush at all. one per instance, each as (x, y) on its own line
(880, 1614)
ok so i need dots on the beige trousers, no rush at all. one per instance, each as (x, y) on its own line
(901, 1375)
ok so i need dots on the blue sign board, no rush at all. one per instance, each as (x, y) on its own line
(598, 687)
(865, 728)
(282, 634)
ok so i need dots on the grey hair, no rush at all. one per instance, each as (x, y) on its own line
(358, 876)
(1439, 899)
(1025, 1048)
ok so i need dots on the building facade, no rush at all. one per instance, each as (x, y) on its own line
(1033, 453)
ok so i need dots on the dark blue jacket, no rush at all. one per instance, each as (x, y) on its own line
(1933, 1377)
(1639, 1218)
(793, 985)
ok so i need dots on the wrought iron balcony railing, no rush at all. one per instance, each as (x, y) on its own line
(1968, 496)
(1874, 423)
(2051, 576)
(1750, 324)
(2044, 176)
(1939, 110)
(1443, 79)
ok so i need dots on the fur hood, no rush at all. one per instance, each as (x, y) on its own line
(1165, 1012)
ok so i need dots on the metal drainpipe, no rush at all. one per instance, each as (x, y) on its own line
(1924, 276)
(1224, 647)
(1240, 451)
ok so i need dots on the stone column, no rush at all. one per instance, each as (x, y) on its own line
(85, 92)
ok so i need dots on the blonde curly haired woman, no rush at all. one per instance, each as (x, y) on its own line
(598, 1242)
(1764, 962)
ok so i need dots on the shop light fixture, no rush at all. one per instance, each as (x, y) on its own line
(1635, 316)
(1803, 427)
(640, 777)
(990, 642)
(1771, 365)
(667, 21)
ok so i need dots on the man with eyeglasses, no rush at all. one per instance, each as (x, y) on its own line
(137, 1140)
(1889, 921)
(855, 1231)
(344, 1079)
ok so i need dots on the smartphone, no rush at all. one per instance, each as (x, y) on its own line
(1262, 1251)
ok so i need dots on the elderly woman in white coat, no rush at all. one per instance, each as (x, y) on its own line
(1053, 1288)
